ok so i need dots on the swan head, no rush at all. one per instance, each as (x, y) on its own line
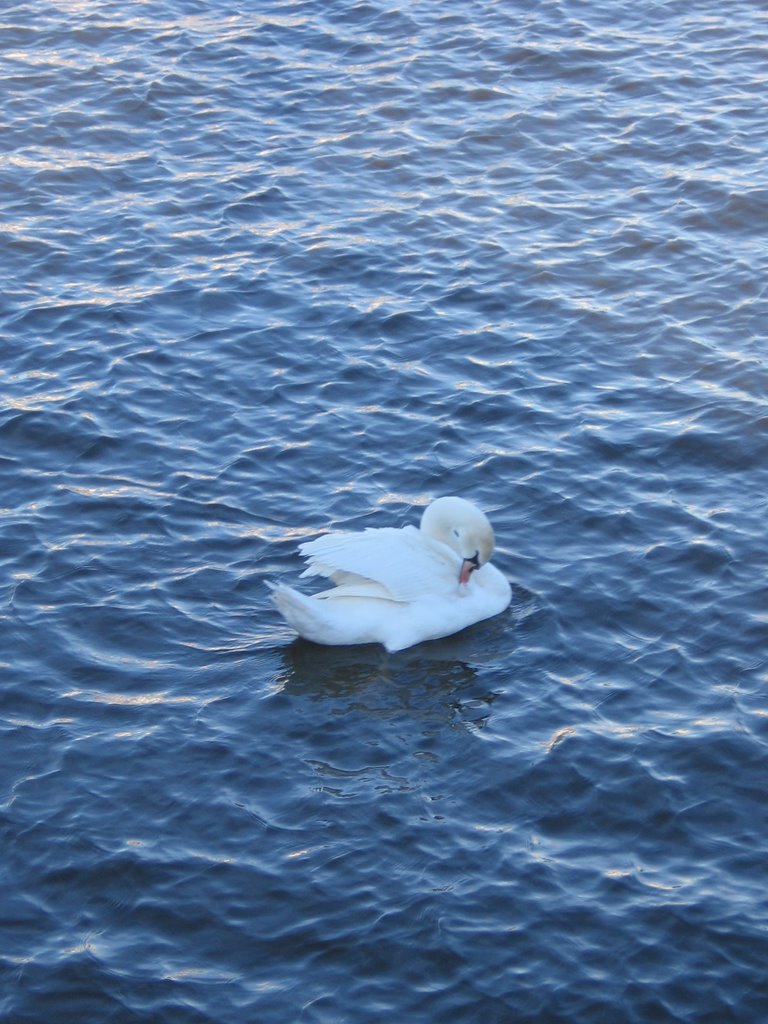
(463, 527)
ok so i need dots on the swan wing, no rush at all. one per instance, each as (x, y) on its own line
(406, 564)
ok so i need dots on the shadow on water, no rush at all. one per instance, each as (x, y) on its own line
(434, 684)
(451, 682)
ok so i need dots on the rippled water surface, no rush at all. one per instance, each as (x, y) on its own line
(270, 269)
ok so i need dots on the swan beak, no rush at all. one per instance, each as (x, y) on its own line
(468, 566)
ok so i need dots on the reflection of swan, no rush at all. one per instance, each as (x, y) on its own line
(400, 587)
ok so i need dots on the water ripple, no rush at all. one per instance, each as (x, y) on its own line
(269, 273)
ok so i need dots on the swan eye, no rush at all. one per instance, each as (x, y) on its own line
(456, 533)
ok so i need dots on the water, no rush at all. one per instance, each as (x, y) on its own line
(270, 269)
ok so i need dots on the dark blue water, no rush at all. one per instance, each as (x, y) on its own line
(273, 268)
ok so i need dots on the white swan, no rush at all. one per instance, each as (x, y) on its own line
(400, 587)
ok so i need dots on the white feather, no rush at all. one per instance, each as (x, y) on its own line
(405, 563)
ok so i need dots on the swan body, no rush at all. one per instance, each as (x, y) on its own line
(400, 587)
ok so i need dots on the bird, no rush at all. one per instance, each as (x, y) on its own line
(399, 587)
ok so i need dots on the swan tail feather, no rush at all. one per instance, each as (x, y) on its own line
(304, 614)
